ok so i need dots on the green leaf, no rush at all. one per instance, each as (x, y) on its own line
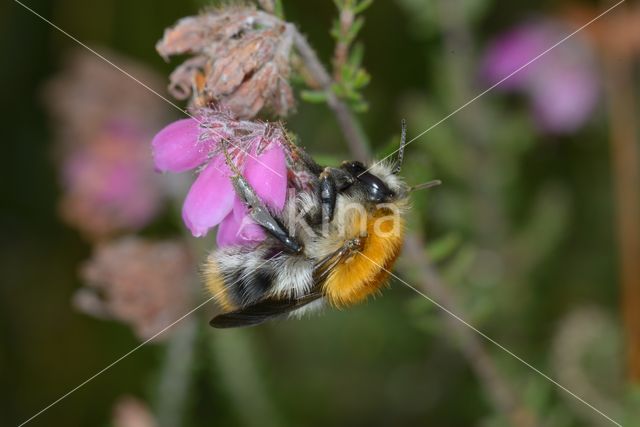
(360, 106)
(314, 96)
(279, 9)
(361, 79)
(336, 31)
(346, 73)
(356, 55)
(444, 246)
(362, 6)
(457, 269)
(351, 94)
(354, 29)
(339, 90)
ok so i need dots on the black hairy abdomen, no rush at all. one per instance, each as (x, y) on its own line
(246, 288)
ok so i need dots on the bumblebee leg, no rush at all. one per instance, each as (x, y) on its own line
(258, 211)
(327, 189)
(331, 182)
(323, 268)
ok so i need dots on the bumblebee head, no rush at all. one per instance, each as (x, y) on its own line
(381, 181)
(378, 182)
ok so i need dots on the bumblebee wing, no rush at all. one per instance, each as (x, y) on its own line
(261, 311)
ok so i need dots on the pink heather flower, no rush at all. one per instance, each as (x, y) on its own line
(108, 183)
(562, 85)
(257, 151)
(103, 121)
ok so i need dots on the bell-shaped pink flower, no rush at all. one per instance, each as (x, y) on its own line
(176, 147)
(211, 201)
(267, 174)
(210, 198)
(237, 228)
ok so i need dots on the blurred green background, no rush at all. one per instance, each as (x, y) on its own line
(546, 247)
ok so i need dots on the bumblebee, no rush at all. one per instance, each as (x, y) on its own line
(334, 243)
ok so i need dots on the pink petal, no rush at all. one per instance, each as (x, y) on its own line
(210, 198)
(562, 86)
(228, 231)
(237, 228)
(564, 100)
(176, 147)
(510, 51)
(248, 230)
(267, 174)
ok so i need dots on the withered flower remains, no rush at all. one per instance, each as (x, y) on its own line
(139, 282)
(241, 61)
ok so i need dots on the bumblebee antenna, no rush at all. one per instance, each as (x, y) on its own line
(425, 185)
(403, 143)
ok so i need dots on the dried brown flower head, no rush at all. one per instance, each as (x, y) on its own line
(89, 93)
(241, 60)
(139, 282)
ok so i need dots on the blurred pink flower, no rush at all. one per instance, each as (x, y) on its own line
(257, 151)
(562, 85)
(108, 183)
(103, 121)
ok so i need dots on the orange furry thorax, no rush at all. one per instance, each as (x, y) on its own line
(366, 271)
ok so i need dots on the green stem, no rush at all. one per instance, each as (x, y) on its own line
(501, 393)
(350, 126)
(176, 375)
(231, 351)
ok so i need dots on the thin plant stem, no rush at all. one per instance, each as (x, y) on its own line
(233, 358)
(176, 375)
(231, 351)
(500, 392)
(350, 126)
(341, 51)
(625, 154)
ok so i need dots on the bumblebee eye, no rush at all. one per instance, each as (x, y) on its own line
(376, 188)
